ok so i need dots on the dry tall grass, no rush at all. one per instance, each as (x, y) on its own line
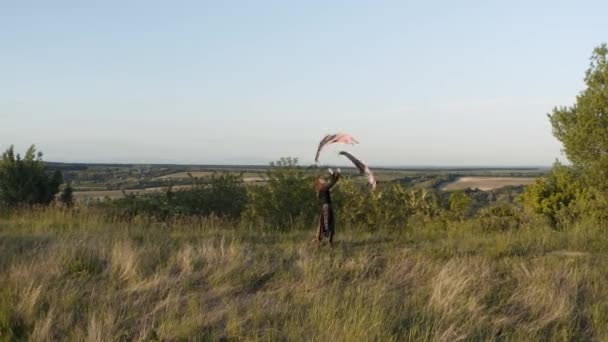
(78, 276)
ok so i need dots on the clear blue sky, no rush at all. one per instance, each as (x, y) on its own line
(418, 83)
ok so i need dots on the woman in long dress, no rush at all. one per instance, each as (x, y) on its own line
(326, 226)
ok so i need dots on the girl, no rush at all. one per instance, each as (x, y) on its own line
(326, 218)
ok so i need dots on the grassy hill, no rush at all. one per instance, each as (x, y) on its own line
(81, 275)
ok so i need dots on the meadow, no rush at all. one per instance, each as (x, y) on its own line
(220, 258)
(81, 274)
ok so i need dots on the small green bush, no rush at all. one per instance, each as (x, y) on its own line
(391, 206)
(499, 217)
(554, 195)
(287, 197)
(460, 205)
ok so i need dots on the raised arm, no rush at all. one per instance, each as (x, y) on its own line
(334, 179)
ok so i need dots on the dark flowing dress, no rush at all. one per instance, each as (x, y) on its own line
(326, 226)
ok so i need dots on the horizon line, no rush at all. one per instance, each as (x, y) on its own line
(379, 166)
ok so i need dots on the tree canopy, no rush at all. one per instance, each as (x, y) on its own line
(24, 181)
(583, 127)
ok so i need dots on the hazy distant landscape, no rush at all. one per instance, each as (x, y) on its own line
(486, 183)
(97, 181)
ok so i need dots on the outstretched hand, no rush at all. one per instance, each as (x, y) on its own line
(337, 175)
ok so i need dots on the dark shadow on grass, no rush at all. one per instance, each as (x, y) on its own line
(258, 282)
(19, 246)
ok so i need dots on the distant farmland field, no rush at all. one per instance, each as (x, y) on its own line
(247, 176)
(112, 194)
(486, 183)
(180, 175)
(101, 194)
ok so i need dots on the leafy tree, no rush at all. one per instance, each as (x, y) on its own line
(67, 196)
(24, 181)
(583, 127)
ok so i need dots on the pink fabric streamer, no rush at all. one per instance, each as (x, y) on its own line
(363, 169)
(342, 138)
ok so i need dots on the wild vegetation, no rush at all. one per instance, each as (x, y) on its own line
(77, 274)
(226, 260)
(580, 190)
(24, 181)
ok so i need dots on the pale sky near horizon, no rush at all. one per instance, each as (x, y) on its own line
(439, 83)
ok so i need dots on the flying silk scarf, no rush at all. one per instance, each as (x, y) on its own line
(333, 139)
(363, 169)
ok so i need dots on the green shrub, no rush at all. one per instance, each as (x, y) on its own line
(222, 195)
(591, 204)
(553, 196)
(287, 196)
(67, 196)
(502, 216)
(24, 181)
(460, 205)
(391, 206)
